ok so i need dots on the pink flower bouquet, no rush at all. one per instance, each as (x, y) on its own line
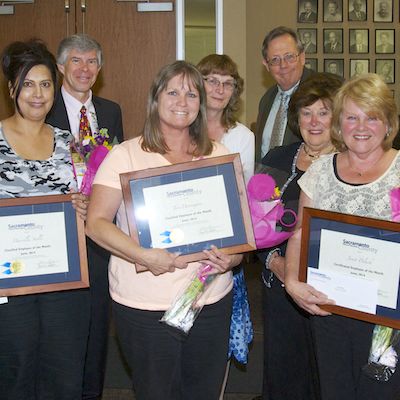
(267, 209)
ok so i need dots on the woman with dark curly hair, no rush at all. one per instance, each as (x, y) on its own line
(288, 350)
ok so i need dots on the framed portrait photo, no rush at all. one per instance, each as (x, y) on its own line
(353, 261)
(334, 66)
(307, 11)
(358, 41)
(358, 67)
(333, 41)
(384, 41)
(333, 11)
(309, 39)
(311, 63)
(357, 10)
(386, 70)
(383, 10)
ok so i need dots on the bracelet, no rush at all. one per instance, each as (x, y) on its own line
(269, 256)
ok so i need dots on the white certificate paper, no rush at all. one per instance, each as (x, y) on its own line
(187, 212)
(33, 244)
(364, 260)
(347, 291)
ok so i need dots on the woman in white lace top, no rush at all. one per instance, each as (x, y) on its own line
(356, 181)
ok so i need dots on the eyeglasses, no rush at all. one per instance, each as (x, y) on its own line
(290, 58)
(214, 82)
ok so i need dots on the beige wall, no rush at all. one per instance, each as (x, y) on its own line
(245, 24)
(247, 21)
(234, 34)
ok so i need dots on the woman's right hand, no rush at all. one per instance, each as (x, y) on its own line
(307, 297)
(160, 261)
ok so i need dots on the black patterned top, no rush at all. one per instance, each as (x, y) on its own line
(23, 178)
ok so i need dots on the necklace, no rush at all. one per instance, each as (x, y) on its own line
(318, 154)
(313, 156)
(361, 173)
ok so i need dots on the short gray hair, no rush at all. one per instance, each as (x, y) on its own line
(80, 42)
(277, 32)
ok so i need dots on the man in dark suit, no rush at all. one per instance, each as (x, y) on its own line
(284, 59)
(333, 45)
(308, 45)
(308, 15)
(357, 14)
(386, 46)
(79, 59)
(359, 45)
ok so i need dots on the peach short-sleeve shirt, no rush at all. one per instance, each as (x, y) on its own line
(144, 290)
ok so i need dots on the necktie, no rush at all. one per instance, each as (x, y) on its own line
(278, 129)
(84, 127)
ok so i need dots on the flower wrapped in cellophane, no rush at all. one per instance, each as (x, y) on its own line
(384, 353)
(87, 155)
(188, 304)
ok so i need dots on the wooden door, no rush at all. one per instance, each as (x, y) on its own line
(44, 19)
(135, 46)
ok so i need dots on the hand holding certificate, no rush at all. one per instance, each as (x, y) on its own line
(187, 208)
(352, 260)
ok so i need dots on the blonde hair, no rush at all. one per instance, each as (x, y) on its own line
(372, 95)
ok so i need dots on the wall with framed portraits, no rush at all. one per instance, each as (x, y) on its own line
(383, 37)
(350, 37)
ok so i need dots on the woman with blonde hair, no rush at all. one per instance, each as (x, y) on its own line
(356, 181)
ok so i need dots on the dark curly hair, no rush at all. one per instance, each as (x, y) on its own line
(18, 58)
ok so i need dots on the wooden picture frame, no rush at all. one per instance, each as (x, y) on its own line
(43, 246)
(342, 254)
(188, 198)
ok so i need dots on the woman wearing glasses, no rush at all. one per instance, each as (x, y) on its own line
(224, 86)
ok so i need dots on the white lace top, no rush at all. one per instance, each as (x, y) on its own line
(327, 192)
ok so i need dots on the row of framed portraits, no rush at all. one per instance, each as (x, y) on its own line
(383, 67)
(358, 41)
(333, 11)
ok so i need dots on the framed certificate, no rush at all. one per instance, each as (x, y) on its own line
(188, 207)
(42, 247)
(354, 261)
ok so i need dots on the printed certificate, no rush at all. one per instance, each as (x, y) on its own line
(33, 245)
(354, 261)
(43, 246)
(185, 215)
(188, 207)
